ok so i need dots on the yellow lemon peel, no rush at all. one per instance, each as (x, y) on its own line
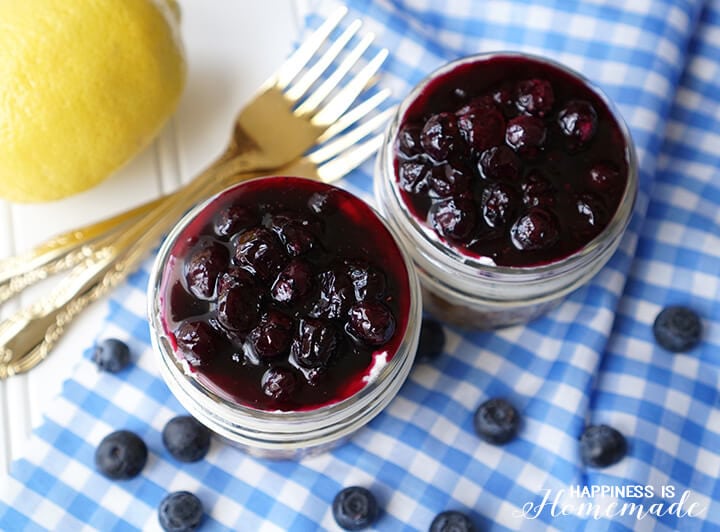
(84, 86)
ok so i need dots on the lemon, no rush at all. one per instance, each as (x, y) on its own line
(84, 86)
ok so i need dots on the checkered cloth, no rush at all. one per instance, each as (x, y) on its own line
(592, 360)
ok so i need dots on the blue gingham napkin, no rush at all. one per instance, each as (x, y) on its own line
(592, 360)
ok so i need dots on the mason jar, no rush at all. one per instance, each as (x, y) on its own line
(468, 289)
(273, 432)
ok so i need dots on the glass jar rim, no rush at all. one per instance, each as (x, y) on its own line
(193, 390)
(466, 264)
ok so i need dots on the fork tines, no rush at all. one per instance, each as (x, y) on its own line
(326, 100)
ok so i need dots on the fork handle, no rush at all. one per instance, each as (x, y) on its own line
(27, 336)
(62, 253)
(68, 249)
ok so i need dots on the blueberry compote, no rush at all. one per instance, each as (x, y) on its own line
(285, 294)
(511, 159)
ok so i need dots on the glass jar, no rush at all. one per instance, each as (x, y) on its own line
(470, 291)
(281, 434)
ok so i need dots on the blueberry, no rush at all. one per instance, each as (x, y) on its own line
(482, 126)
(272, 335)
(412, 175)
(446, 181)
(451, 521)
(314, 344)
(278, 382)
(454, 218)
(232, 219)
(526, 135)
(335, 296)
(260, 252)
(180, 511)
(121, 455)
(296, 232)
(677, 328)
(432, 340)
(203, 267)
(186, 439)
(578, 122)
(368, 281)
(440, 136)
(591, 216)
(605, 177)
(602, 446)
(196, 342)
(499, 162)
(504, 97)
(534, 97)
(477, 105)
(111, 355)
(408, 141)
(496, 421)
(499, 203)
(293, 283)
(371, 322)
(355, 508)
(238, 306)
(538, 229)
(232, 277)
(537, 191)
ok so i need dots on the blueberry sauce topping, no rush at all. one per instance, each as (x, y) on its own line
(283, 293)
(511, 159)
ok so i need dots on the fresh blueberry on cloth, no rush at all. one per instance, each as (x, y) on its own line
(111, 355)
(677, 329)
(121, 455)
(354, 508)
(186, 438)
(451, 521)
(180, 511)
(432, 340)
(602, 446)
(496, 421)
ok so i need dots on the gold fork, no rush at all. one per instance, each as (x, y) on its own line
(27, 337)
(68, 249)
(282, 121)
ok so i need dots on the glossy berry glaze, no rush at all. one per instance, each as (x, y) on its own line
(512, 160)
(285, 294)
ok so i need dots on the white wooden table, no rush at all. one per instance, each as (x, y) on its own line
(232, 46)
